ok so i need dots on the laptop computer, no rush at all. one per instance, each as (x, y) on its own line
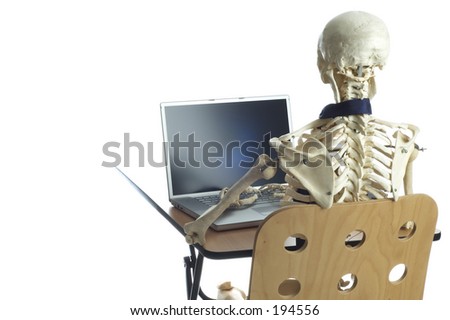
(211, 144)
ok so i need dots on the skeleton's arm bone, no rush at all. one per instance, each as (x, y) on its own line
(264, 168)
(408, 179)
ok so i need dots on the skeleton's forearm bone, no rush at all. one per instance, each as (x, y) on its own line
(264, 168)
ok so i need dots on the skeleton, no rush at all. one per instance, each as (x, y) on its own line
(347, 154)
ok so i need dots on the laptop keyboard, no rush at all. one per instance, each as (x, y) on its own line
(263, 197)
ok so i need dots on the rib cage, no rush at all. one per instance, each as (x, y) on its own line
(362, 150)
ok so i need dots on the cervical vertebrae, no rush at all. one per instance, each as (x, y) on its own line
(357, 82)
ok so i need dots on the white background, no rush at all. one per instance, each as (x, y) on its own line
(76, 240)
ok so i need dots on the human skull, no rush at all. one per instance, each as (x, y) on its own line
(352, 41)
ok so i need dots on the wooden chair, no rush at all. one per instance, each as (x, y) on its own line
(364, 250)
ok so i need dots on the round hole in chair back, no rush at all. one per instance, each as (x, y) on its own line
(355, 239)
(398, 273)
(347, 282)
(296, 243)
(407, 230)
(289, 288)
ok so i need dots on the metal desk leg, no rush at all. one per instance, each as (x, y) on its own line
(197, 276)
(188, 265)
(194, 265)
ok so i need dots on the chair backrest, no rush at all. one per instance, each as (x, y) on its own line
(362, 250)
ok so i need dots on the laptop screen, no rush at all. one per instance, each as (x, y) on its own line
(212, 144)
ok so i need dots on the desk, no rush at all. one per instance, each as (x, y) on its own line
(219, 245)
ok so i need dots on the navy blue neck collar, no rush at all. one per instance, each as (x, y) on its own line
(346, 108)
